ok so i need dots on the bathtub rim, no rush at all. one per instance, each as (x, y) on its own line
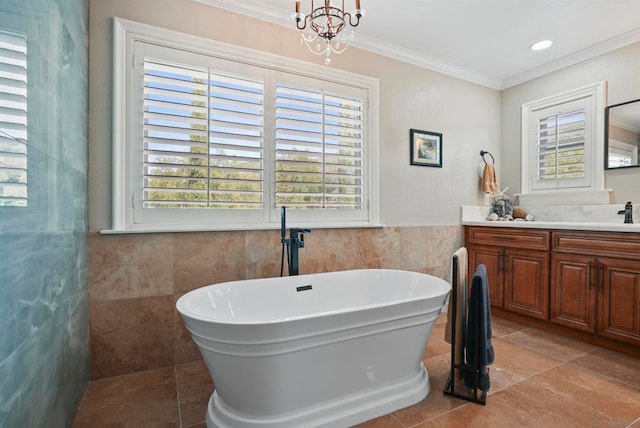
(185, 312)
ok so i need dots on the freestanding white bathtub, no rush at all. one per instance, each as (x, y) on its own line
(330, 349)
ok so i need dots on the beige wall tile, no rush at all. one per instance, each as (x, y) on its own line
(207, 258)
(129, 266)
(329, 250)
(378, 248)
(262, 250)
(185, 348)
(131, 335)
(161, 267)
(428, 247)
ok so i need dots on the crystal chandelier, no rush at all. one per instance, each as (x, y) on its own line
(327, 27)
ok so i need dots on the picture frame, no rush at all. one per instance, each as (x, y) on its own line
(425, 148)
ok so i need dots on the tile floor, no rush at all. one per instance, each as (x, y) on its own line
(538, 380)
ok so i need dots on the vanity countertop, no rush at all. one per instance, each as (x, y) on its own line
(587, 217)
(562, 225)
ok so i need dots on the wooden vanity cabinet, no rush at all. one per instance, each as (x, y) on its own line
(619, 300)
(572, 295)
(595, 283)
(517, 262)
(492, 258)
(584, 280)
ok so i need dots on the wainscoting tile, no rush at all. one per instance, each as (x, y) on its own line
(328, 250)
(186, 349)
(428, 247)
(131, 335)
(262, 250)
(207, 258)
(130, 266)
(378, 248)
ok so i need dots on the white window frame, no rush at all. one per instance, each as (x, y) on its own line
(593, 190)
(127, 34)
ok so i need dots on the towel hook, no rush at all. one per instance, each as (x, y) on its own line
(484, 152)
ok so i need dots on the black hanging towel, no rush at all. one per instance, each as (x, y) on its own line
(479, 352)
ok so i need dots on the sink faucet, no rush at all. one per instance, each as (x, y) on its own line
(628, 212)
(293, 244)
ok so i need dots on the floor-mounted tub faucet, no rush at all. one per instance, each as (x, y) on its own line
(628, 212)
(296, 239)
(293, 244)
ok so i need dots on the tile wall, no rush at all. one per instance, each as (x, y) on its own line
(44, 329)
(135, 280)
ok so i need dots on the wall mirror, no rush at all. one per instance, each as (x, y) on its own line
(622, 135)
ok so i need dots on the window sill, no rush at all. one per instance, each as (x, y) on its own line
(234, 228)
(565, 197)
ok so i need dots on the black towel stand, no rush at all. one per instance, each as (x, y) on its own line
(479, 397)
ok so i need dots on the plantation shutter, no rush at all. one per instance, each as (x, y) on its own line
(13, 120)
(236, 142)
(203, 138)
(319, 149)
(560, 150)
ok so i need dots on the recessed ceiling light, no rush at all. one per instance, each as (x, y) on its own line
(541, 45)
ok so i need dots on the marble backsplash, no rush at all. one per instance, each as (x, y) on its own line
(135, 280)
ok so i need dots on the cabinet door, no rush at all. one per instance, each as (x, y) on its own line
(491, 257)
(526, 283)
(619, 300)
(573, 291)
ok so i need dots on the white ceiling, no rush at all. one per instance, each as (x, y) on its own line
(483, 41)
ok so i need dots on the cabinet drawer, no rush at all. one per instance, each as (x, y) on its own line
(509, 237)
(620, 245)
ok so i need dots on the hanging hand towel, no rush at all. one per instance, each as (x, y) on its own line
(489, 182)
(459, 276)
(479, 331)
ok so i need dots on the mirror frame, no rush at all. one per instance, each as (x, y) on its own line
(606, 136)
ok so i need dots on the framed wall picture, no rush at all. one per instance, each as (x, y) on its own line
(426, 148)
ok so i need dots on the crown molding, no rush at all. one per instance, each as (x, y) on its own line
(425, 61)
(275, 16)
(252, 9)
(258, 11)
(575, 58)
